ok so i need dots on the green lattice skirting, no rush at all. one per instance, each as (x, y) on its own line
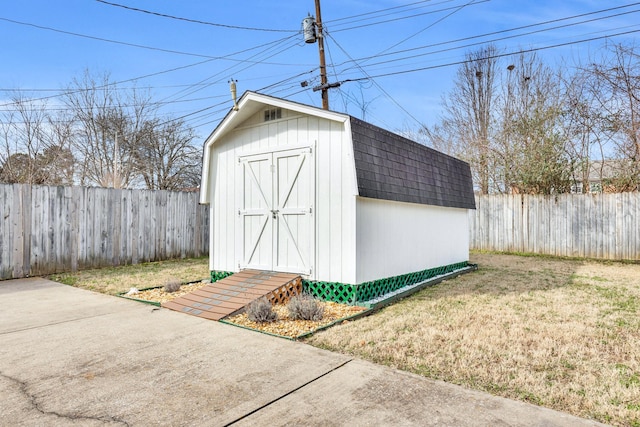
(353, 294)
(219, 275)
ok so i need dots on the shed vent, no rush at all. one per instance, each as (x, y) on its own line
(272, 114)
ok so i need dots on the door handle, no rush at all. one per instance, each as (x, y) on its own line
(274, 214)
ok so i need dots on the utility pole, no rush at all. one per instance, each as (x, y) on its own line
(313, 32)
(323, 65)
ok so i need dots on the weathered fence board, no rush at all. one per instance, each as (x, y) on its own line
(45, 230)
(605, 226)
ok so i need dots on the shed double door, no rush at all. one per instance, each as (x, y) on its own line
(276, 211)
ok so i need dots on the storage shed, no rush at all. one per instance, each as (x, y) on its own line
(298, 189)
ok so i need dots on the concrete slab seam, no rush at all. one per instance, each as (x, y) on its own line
(271, 402)
(68, 321)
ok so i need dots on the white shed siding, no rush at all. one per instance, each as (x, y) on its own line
(222, 224)
(336, 191)
(395, 238)
(334, 208)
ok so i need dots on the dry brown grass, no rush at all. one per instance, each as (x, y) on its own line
(558, 333)
(115, 280)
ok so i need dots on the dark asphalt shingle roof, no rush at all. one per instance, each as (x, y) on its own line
(391, 167)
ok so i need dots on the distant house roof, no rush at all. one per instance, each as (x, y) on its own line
(391, 167)
(605, 169)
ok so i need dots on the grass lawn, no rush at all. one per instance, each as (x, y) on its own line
(114, 280)
(564, 334)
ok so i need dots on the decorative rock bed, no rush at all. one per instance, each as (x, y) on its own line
(286, 327)
(283, 326)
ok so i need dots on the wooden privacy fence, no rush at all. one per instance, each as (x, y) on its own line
(603, 226)
(46, 230)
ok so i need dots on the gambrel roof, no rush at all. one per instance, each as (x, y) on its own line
(391, 167)
(388, 166)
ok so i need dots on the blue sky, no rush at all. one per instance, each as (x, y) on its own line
(361, 41)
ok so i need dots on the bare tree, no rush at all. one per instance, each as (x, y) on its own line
(467, 125)
(165, 157)
(24, 139)
(615, 94)
(533, 147)
(583, 126)
(107, 125)
(35, 146)
(507, 123)
(121, 142)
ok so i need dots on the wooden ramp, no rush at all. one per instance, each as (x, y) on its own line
(226, 296)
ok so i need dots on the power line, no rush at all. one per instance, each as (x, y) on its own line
(369, 18)
(284, 81)
(207, 108)
(140, 46)
(380, 88)
(196, 21)
(382, 10)
(43, 107)
(228, 70)
(501, 55)
(498, 32)
(70, 33)
(109, 85)
(455, 8)
(377, 85)
(494, 40)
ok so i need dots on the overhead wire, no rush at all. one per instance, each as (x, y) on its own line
(437, 21)
(330, 21)
(328, 50)
(140, 46)
(431, 12)
(357, 63)
(230, 70)
(284, 80)
(380, 88)
(337, 26)
(465, 46)
(196, 21)
(350, 19)
(455, 10)
(209, 58)
(501, 55)
(496, 32)
(248, 66)
(372, 77)
(114, 84)
(359, 16)
(283, 83)
(42, 107)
